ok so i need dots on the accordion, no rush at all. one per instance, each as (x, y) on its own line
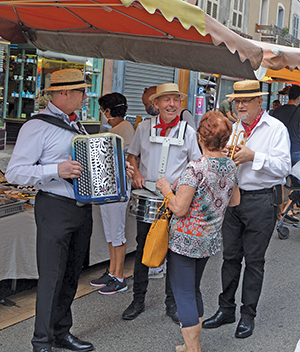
(103, 176)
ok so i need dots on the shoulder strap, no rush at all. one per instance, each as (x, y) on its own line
(182, 111)
(182, 129)
(152, 129)
(57, 122)
(53, 121)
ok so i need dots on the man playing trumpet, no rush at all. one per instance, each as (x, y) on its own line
(264, 162)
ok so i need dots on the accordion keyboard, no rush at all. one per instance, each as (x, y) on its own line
(84, 183)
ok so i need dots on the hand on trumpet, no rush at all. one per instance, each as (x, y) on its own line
(243, 154)
(225, 150)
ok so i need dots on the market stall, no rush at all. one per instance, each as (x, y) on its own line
(18, 235)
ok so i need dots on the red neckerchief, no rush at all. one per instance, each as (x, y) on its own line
(72, 116)
(164, 125)
(248, 129)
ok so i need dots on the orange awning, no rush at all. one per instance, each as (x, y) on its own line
(164, 32)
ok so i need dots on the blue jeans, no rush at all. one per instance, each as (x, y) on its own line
(295, 157)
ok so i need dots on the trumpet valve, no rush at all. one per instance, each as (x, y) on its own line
(232, 150)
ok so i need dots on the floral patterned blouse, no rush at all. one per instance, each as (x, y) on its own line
(198, 233)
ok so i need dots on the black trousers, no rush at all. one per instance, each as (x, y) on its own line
(63, 234)
(141, 280)
(247, 230)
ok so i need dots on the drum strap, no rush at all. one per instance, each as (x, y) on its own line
(166, 142)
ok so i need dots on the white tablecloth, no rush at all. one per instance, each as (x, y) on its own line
(18, 244)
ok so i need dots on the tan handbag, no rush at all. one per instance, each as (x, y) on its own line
(156, 245)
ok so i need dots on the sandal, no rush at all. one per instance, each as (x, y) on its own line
(180, 348)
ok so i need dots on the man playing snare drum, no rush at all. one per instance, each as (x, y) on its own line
(148, 142)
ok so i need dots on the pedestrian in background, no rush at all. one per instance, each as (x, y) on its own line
(289, 114)
(226, 109)
(276, 104)
(114, 107)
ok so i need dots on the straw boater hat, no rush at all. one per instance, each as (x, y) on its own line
(245, 89)
(167, 88)
(67, 79)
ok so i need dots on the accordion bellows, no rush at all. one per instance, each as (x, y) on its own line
(103, 176)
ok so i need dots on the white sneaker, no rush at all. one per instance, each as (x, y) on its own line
(155, 273)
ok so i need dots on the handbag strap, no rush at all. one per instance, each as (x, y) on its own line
(167, 198)
(163, 211)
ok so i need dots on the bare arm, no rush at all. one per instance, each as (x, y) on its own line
(180, 203)
(138, 179)
(235, 197)
(230, 116)
(129, 170)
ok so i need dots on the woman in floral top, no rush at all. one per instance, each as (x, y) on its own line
(204, 191)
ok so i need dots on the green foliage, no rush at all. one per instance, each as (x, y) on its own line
(285, 30)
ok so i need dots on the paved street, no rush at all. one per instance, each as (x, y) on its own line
(97, 318)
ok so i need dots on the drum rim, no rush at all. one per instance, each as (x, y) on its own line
(151, 196)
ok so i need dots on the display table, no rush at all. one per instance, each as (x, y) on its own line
(18, 244)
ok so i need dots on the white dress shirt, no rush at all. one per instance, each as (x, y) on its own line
(149, 152)
(39, 148)
(272, 161)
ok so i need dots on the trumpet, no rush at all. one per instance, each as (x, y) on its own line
(235, 141)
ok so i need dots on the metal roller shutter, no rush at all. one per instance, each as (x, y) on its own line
(137, 78)
(265, 89)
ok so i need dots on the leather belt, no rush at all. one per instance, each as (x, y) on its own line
(257, 191)
(65, 199)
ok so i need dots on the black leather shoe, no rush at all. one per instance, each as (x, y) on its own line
(245, 327)
(73, 343)
(43, 349)
(171, 311)
(134, 309)
(217, 320)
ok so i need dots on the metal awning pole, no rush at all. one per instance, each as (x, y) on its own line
(217, 91)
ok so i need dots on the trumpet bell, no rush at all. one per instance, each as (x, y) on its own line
(233, 148)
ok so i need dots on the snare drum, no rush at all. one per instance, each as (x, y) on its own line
(143, 205)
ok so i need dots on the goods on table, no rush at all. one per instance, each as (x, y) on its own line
(14, 198)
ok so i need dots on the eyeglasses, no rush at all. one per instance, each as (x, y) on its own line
(244, 102)
(168, 100)
(80, 90)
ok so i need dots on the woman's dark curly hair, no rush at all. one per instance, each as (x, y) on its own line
(116, 102)
(215, 130)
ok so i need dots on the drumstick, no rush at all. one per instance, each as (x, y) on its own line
(149, 190)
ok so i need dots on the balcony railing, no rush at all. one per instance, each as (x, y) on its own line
(274, 34)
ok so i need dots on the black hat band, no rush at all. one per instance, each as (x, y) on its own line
(247, 91)
(67, 83)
